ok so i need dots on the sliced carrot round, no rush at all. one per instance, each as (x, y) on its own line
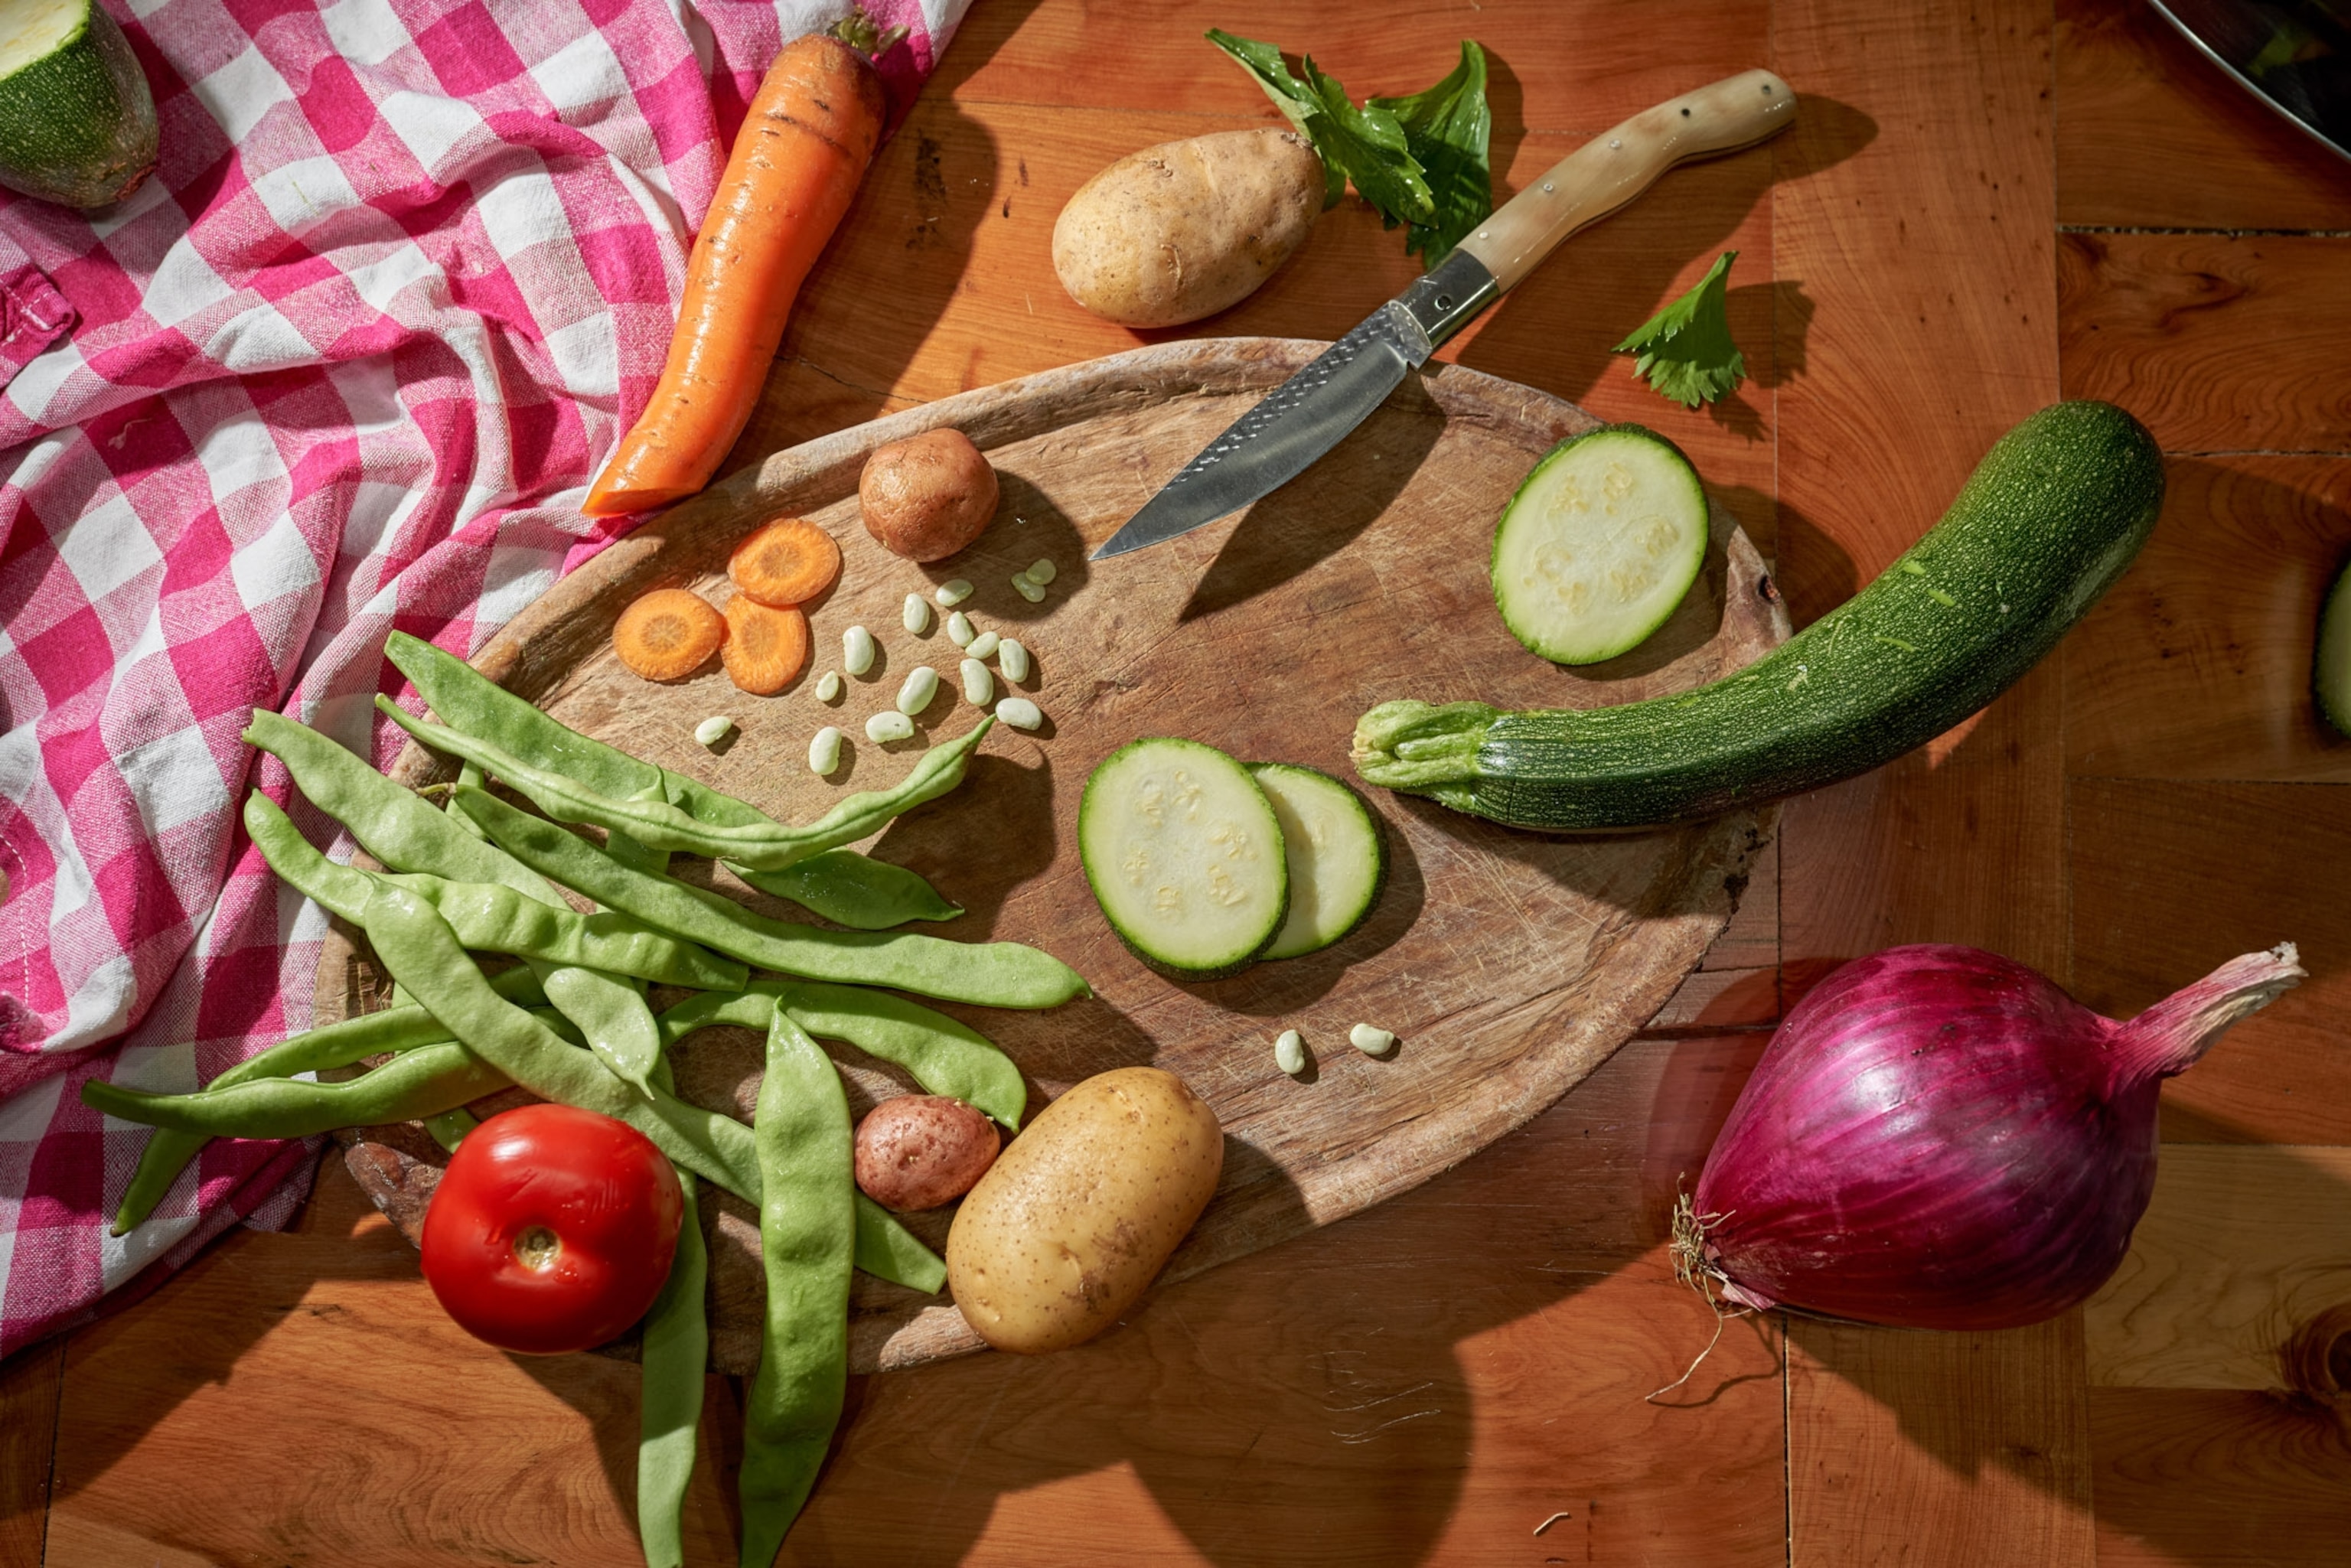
(667, 635)
(787, 561)
(766, 647)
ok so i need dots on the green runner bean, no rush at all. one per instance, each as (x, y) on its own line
(942, 1055)
(856, 891)
(450, 1128)
(676, 1351)
(421, 952)
(400, 829)
(417, 946)
(423, 1082)
(852, 890)
(399, 1029)
(992, 974)
(492, 916)
(807, 1239)
(763, 846)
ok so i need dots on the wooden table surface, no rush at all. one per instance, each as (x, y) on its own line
(1983, 209)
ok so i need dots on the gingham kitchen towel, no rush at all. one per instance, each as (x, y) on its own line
(345, 364)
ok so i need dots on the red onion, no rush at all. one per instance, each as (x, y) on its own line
(1939, 1137)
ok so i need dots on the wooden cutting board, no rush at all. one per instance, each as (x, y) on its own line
(1509, 964)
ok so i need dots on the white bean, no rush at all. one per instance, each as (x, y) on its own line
(1041, 571)
(828, 686)
(887, 725)
(959, 628)
(824, 751)
(857, 650)
(1020, 713)
(983, 645)
(921, 685)
(1012, 658)
(713, 730)
(979, 686)
(1029, 591)
(1371, 1041)
(916, 616)
(1290, 1052)
(952, 593)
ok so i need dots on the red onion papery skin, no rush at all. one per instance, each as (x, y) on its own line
(1940, 1137)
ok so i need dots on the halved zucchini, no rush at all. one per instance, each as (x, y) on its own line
(1184, 853)
(1337, 863)
(1599, 544)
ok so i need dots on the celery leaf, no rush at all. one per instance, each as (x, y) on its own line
(1685, 351)
(1447, 128)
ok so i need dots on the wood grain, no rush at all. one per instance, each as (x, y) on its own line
(2218, 342)
(1937, 1448)
(1551, 66)
(2234, 873)
(2242, 1249)
(1929, 249)
(30, 1383)
(2197, 663)
(2151, 134)
(439, 1449)
(1510, 964)
(2218, 1479)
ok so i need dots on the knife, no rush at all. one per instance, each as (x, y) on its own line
(1312, 411)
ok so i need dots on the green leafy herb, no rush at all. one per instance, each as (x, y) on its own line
(1685, 351)
(1447, 128)
(1419, 161)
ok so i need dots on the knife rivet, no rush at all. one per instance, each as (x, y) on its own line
(1445, 302)
(1613, 145)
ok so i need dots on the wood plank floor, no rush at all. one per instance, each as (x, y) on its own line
(1983, 209)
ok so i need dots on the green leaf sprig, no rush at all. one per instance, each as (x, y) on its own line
(1685, 351)
(1419, 161)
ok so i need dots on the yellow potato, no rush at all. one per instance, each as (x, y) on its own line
(1181, 230)
(1080, 1212)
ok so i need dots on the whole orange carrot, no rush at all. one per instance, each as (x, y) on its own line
(795, 167)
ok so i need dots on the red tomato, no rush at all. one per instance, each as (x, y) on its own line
(552, 1229)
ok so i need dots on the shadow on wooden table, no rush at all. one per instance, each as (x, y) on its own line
(1665, 239)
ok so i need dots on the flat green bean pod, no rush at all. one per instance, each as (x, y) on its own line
(400, 829)
(676, 1351)
(807, 1241)
(423, 1082)
(850, 889)
(991, 973)
(399, 1029)
(491, 916)
(417, 946)
(422, 953)
(941, 1054)
(854, 890)
(763, 846)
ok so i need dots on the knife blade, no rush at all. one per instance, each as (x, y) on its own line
(1299, 420)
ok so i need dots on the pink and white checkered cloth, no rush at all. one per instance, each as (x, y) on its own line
(345, 364)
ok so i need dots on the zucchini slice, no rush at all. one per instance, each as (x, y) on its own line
(1184, 853)
(1599, 544)
(1337, 863)
(77, 121)
(2331, 677)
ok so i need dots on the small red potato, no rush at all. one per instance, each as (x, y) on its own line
(920, 1151)
(928, 496)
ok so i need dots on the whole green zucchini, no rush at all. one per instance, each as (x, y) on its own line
(2049, 519)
